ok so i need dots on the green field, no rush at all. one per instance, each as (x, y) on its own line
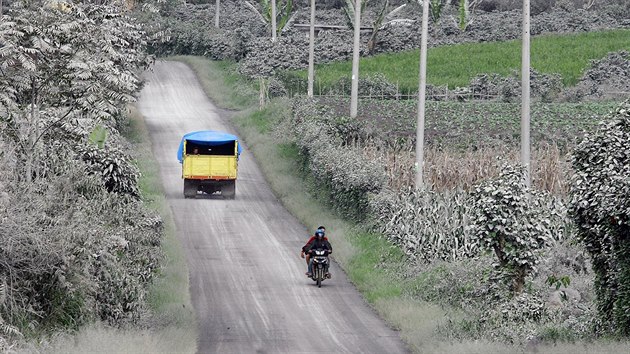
(454, 65)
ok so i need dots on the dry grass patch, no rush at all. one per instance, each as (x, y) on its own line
(100, 339)
(450, 169)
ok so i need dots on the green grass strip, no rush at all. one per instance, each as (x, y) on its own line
(455, 65)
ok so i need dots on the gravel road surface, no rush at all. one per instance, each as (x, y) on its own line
(247, 281)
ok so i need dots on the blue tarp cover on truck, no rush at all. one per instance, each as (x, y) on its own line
(206, 137)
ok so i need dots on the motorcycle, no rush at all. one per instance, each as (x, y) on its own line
(320, 266)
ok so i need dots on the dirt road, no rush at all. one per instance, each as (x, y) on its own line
(247, 281)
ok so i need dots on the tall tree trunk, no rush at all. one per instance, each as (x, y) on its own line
(31, 135)
(422, 96)
(273, 20)
(354, 94)
(519, 281)
(311, 51)
(216, 14)
(525, 115)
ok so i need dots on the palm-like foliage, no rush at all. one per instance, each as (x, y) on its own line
(284, 14)
(349, 10)
(382, 16)
(435, 9)
(465, 11)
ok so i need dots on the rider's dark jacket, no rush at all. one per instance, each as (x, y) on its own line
(320, 244)
(310, 241)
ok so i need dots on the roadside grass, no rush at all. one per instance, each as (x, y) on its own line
(169, 295)
(376, 267)
(170, 327)
(455, 65)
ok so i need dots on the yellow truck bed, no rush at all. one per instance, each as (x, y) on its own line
(209, 161)
(216, 167)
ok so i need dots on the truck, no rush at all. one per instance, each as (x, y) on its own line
(209, 161)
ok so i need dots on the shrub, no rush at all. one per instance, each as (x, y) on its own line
(373, 85)
(605, 78)
(77, 252)
(600, 205)
(113, 166)
(512, 221)
(544, 87)
(340, 171)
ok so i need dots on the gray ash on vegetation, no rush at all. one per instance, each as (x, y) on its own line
(608, 77)
(245, 38)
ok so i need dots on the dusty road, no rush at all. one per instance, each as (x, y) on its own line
(246, 278)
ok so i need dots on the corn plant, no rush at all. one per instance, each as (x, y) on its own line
(427, 225)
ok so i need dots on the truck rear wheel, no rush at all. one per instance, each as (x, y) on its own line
(190, 188)
(228, 190)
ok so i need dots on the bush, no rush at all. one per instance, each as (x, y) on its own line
(114, 168)
(605, 78)
(373, 85)
(512, 221)
(340, 171)
(77, 252)
(544, 87)
(600, 206)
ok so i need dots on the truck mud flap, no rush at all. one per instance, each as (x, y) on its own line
(190, 188)
(228, 190)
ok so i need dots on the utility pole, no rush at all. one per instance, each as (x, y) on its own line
(311, 52)
(216, 14)
(525, 109)
(422, 96)
(273, 21)
(354, 95)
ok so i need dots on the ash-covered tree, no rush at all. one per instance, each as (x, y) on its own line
(76, 244)
(72, 66)
(600, 206)
(512, 221)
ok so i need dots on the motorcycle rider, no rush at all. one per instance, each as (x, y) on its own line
(319, 243)
(308, 244)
